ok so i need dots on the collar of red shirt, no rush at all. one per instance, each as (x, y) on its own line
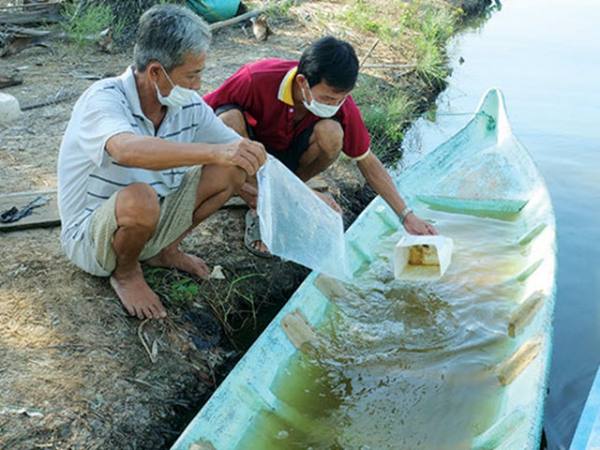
(285, 88)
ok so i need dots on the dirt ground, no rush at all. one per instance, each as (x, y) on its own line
(76, 372)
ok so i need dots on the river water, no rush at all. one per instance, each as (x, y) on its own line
(399, 365)
(545, 57)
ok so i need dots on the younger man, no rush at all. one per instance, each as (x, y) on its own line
(303, 113)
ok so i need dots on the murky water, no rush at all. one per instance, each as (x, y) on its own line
(543, 54)
(403, 365)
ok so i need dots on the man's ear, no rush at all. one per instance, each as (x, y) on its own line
(301, 80)
(154, 69)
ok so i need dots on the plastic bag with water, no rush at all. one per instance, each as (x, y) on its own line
(295, 224)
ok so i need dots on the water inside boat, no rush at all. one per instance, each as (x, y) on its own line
(404, 365)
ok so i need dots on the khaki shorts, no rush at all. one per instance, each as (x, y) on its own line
(176, 213)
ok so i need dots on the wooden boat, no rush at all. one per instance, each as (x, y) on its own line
(380, 363)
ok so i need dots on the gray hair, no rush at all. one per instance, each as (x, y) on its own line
(166, 33)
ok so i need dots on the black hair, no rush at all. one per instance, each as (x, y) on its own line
(332, 60)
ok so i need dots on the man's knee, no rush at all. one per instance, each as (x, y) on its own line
(234, 119)
(238, 177)
(329, 136)
(221, 178)
(137, 206)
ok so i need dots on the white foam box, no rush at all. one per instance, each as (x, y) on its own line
(9, 108)
(422, 258)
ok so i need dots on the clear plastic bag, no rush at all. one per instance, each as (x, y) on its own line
(296, 225)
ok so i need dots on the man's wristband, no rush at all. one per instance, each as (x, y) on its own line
(404, 213)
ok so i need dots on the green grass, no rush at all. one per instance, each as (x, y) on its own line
(83, 22)
(417, 29)
(386, 112)
(183, 291)
(226, 307)
(417, 32)
(434, 24)
(231, 301)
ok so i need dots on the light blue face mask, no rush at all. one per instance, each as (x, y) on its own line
(319, 109)
(178, 96)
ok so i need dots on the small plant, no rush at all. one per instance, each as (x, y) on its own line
(232, 306)
(174, 287)
(184, 291)
(386, 112)
(83, 22)
(361, 15)
(278, 9)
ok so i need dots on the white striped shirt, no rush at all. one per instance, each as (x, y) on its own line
(88, 175)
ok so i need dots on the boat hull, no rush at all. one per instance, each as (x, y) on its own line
(482, 173)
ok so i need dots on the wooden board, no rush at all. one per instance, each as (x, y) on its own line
(42, 216)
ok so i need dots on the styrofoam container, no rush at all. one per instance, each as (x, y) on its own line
(9, 108)
(422, 258)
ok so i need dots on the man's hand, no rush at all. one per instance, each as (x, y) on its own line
(414, 225)
(247, 154)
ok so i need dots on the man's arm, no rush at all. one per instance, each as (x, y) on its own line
(153, 153)
(380, 180)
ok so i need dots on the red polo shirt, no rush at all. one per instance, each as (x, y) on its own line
(263, 90)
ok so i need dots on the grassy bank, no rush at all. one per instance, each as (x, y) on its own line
(408, 40)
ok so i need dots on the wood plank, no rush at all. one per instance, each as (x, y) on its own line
(40, 217)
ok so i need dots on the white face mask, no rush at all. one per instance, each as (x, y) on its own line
(178, 96)
(319, 109)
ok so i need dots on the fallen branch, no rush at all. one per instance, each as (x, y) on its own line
(141, 336)
(16, 39)
(250, 14)
(10, 80)
(32, 14)
(237, 19)
(61, 96)
(90, 76)
(104, 39)
(362, 63)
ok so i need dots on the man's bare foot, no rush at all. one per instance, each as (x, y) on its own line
(169, 257)
(137, 297)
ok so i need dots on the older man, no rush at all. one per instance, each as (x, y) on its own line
(144, 160)
(303, 113)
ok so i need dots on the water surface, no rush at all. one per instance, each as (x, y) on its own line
(402, 364)
(545, 56)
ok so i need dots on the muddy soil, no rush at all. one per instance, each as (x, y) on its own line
(76, 372)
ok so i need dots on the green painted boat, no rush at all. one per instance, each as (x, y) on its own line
(378, 363)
